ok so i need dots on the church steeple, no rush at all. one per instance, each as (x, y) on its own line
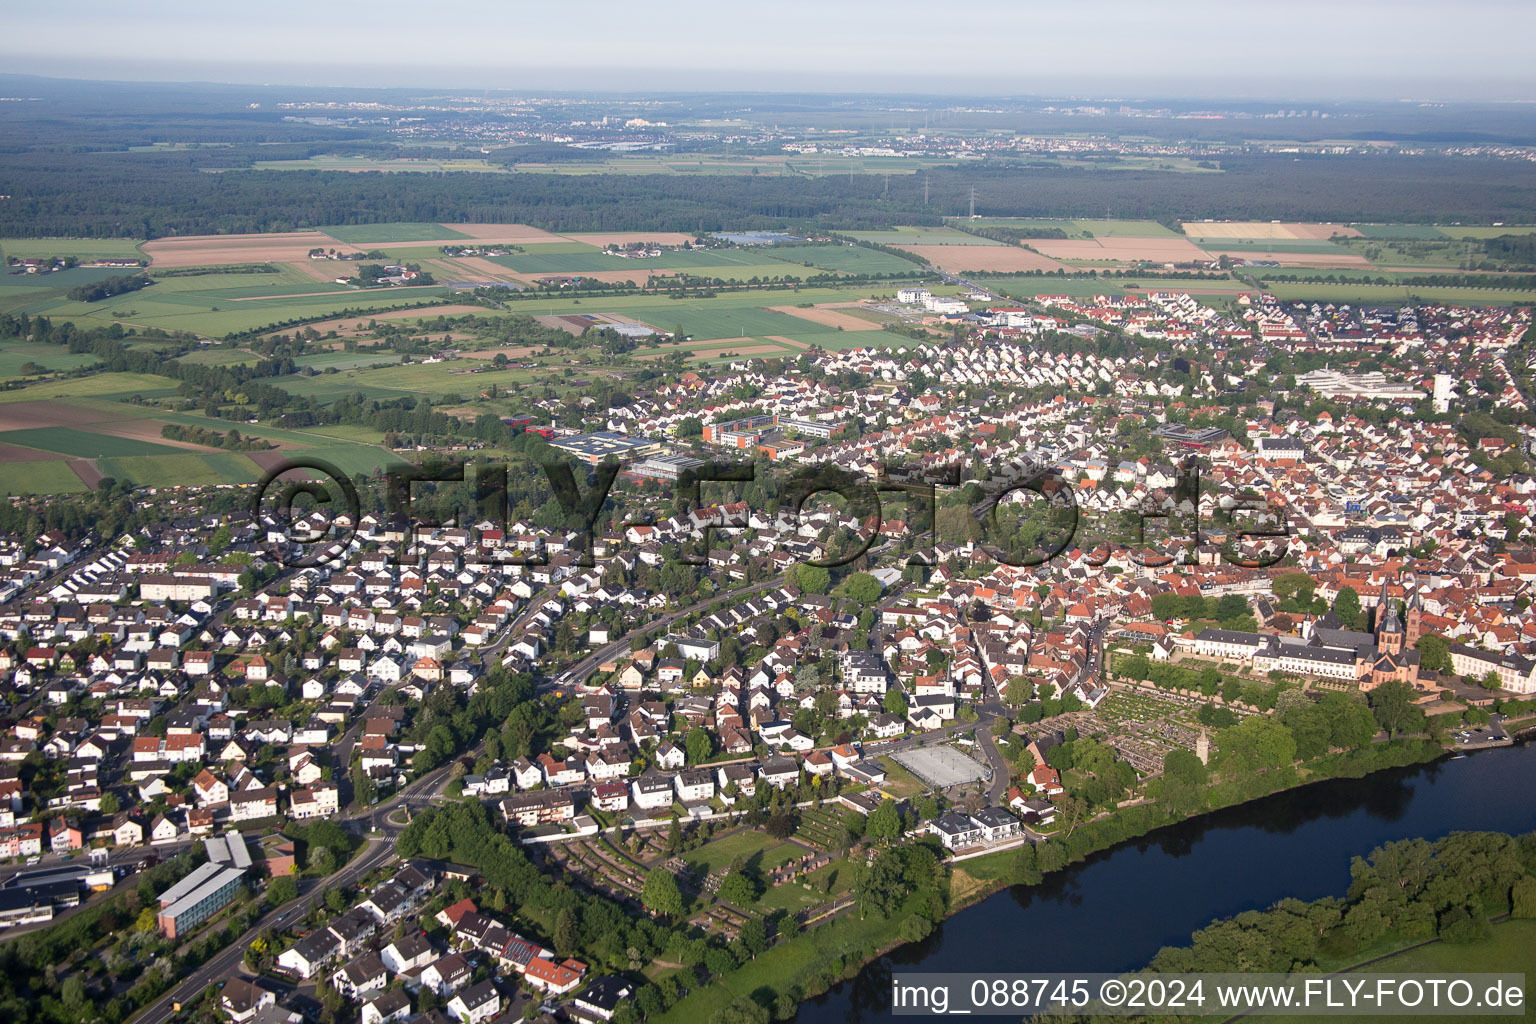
(1389, 628)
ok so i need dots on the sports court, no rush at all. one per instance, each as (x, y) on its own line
(941, 767)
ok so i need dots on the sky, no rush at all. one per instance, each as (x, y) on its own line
(1339, 49)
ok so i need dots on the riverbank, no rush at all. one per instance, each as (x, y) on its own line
(811, 964)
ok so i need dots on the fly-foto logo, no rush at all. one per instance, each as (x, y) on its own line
(323, 528)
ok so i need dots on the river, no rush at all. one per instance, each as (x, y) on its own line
(1115, 910)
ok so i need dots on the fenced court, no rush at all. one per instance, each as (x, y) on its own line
(940, 767)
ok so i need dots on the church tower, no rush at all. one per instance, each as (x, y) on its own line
(1415, 626)
(1389, 627)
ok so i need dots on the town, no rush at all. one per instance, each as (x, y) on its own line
(418, 775)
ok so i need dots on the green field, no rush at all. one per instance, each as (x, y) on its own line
(1511, 948)
(363, 163)
(15, 354)
(94, 386)
(343, 360)
(215, 356)
(186, 469)
(1399, 293)
(82, 248)
(81, 444)
(210, 313)
(921, 236)
(1415, 232)
(851, 259)
(39, 478)
(400, 231)
(13, 286)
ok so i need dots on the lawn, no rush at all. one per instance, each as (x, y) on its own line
(717, 855)
(400, 231)
(899, 782)
(82, 444)
(794, 896)
(790, 963)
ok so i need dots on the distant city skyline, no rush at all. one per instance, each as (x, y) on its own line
(1305, 49)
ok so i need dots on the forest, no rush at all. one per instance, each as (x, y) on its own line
(151, 195)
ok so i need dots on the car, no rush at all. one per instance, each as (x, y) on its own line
(34, 859)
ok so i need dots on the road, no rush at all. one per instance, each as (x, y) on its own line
(380, 851)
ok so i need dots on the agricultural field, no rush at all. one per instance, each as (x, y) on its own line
(1372, 293)
(1121, 249)
(369, 234)
(80, 443)
(1413, 232)
(62, 436)
(1081, 228)
(80, 248)
(1203, 230)
(39, 478)
(361, 163)
(995, 259)
(1456, 231)
(902, 237)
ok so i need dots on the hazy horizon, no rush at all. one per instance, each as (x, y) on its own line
(1203, 50)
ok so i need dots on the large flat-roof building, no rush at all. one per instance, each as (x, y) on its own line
(665, 467)
(601, 445)
(205, 891)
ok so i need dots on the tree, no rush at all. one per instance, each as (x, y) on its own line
(813, 579)
(741, 1011)
(895, 702)
(782, 826)
(882, 886)
(1392, 704)
(1347, 606)
(566, 935)
(109, 804)
(698, 745)
(753, 936)
(660, 893)
(863, 588)
(884, 821)
(282, 889)
(739, 889)
(1256, 743)
(1019, 691)
(1434, 653)
(1523, 898)
(1134, 666)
